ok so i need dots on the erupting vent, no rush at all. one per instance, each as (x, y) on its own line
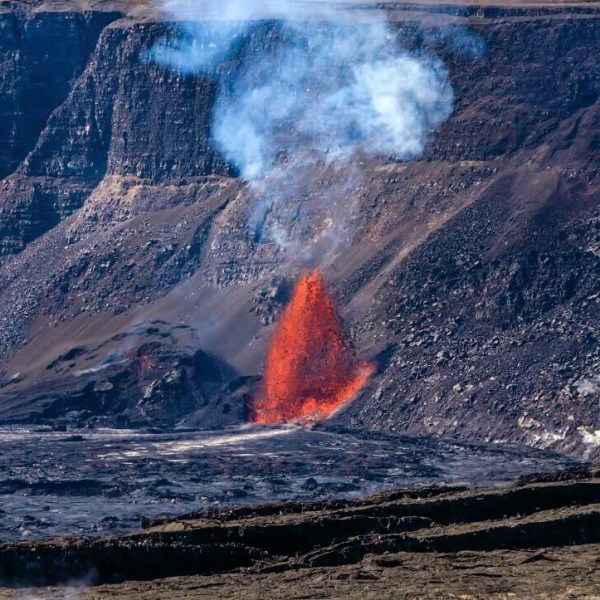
(310, 370)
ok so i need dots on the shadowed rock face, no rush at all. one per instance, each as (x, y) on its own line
(40, 56)
(123, 117)
(473, 278)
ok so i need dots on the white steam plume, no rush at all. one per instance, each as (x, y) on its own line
(326, 86)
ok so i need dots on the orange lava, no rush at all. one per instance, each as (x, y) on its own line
(310, 370)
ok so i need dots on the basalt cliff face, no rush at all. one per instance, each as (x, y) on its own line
(133, 292)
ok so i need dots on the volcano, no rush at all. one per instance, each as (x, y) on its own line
(473, 271)
(310, 371)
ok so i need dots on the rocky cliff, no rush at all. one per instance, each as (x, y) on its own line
(472, 276)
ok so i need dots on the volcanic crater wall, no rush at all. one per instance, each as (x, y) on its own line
(474, 276)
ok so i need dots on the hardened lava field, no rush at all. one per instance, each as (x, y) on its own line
(112, 480)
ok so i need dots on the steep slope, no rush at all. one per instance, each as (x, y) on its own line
(471, 276)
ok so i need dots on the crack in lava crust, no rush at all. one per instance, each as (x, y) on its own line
(311, 371)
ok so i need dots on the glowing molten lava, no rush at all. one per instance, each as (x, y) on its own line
(310, 371)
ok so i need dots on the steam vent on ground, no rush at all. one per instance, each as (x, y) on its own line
(299, 299)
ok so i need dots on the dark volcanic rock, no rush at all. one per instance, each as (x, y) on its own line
(272, 539)
(115, 478)
(40, 55)
(153, 384)
(121, 118)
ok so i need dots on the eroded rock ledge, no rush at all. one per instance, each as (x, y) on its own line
(538, 512)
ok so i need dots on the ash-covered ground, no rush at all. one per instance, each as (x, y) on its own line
(108, 481)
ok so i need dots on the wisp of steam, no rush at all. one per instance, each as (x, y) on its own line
(326, 85)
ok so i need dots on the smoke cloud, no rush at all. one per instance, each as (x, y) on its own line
(74, 589)
(324, 86)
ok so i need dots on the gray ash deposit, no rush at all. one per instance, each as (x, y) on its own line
(108, 481)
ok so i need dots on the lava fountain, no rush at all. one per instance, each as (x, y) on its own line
(310, 370)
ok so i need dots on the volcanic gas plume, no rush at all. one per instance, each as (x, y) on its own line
(310, 370)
